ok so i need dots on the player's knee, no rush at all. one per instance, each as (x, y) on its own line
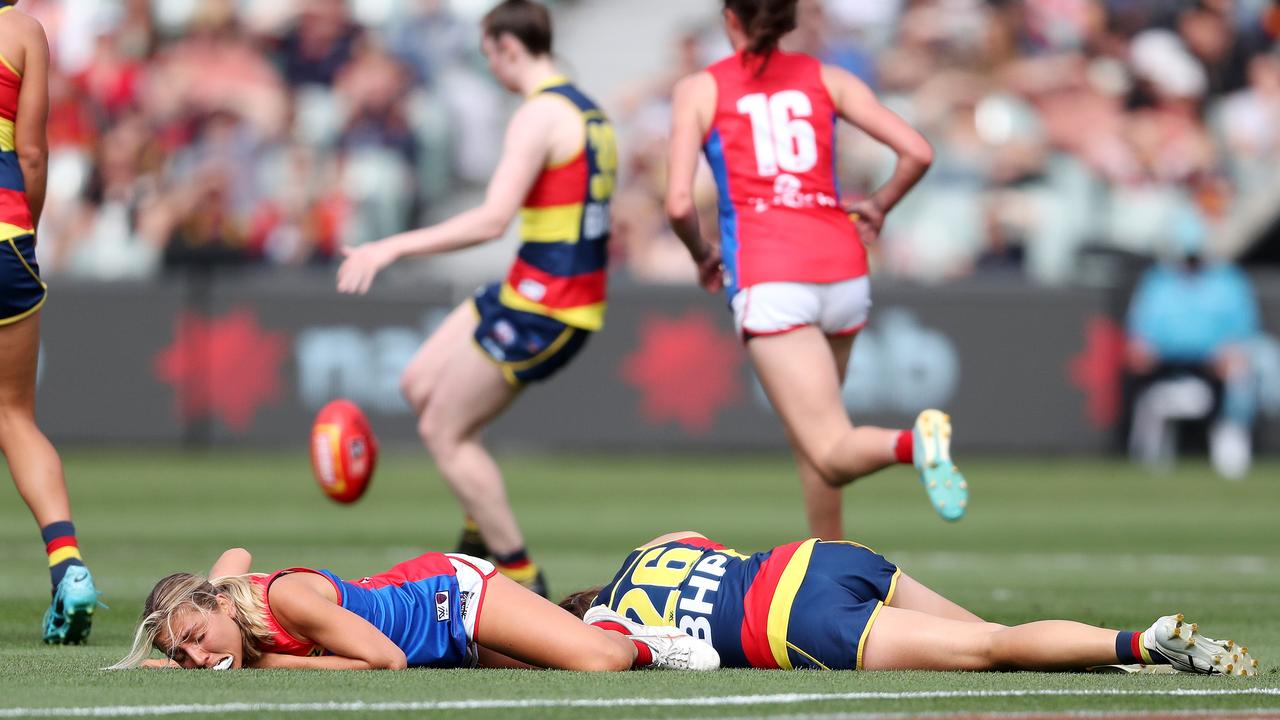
(13, 418)
(413, 390)
(606, 657)
(439, 437)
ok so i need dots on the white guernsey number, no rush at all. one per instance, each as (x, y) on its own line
(785, 141)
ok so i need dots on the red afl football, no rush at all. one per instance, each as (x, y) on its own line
(343, 451)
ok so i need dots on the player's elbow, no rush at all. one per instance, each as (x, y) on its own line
(390, 660)
(493, 221)
(919, 153)
(32, 156)
(679, 206)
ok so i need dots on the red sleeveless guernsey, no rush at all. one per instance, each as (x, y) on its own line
(772, 147)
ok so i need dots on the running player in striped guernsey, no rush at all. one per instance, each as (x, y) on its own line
(435, 610)
(33, 462)
(790, 259)
(841, 606)
(557, 172)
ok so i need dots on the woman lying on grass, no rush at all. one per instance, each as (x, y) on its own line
(839, 605)
(436, 610)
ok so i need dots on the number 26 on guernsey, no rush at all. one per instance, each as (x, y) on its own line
(785, 141)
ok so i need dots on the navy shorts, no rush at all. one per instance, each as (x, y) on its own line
(22, 292)
(528, 347)
(843, 590)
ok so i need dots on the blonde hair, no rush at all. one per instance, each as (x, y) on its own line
(187, 591)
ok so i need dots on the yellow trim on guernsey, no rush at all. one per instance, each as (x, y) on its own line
(9, 231)
(64, 553)
(783, 598)
(559, 223)
(586, 317)
(8, 133)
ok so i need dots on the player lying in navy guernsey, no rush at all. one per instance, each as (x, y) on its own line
(436, 610)
(842, 606)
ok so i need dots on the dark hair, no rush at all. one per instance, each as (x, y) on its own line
(578, 603)
(765, 22)
(525, 20)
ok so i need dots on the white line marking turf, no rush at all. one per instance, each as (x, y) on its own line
(726, 701)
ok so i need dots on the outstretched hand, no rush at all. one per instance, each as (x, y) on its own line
(361, 266)
(868, 217)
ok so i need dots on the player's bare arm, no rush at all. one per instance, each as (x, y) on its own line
(30, 135)
(692, 108)
(353, 643)
(526, 150)
(858, 105)
(236, 561)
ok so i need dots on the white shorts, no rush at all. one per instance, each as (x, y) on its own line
(473, 577)
(773, 308)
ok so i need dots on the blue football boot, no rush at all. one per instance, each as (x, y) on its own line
(70, 616)
(931, 446)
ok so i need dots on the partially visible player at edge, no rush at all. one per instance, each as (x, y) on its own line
(33, 462)
(790, 258)
(557, 170)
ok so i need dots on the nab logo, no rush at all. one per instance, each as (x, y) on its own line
(442, 606)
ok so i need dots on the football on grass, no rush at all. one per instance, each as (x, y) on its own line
(343, 451)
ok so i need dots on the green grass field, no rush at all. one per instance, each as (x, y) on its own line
(1094, 541)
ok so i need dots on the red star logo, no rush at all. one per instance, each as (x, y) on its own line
(1097, 370)
(224, 367)
(687, 370)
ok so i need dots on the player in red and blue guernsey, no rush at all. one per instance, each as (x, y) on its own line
(557, 172)
(436, 610)
(791, 258)
(841, 606)
(32, 460)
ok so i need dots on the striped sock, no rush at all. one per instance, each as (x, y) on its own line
(644, 654)
(1131, 650)
(60, 543)
(517, 566)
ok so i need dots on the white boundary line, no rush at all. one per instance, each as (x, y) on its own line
(536, 703)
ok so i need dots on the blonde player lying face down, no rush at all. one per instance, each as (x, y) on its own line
(435, 610)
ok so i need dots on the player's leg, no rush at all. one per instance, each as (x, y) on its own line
(519, 625)
(469, 393)
(909, 640)
(37, 473)
(823, 503)
(910, 594)
(422, 374)
(799, 375)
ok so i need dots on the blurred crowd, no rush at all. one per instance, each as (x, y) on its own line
(213, 133)
(1062, 127)
(202, 133)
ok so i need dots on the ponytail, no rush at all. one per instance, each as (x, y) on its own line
(765, 22)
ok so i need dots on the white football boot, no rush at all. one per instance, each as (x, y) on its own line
(1187, 650)
(672, 649)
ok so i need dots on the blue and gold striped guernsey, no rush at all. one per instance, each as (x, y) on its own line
(561, 269)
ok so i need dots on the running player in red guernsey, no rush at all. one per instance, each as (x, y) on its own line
(791, 259)
(33, 462)
(557, 172)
